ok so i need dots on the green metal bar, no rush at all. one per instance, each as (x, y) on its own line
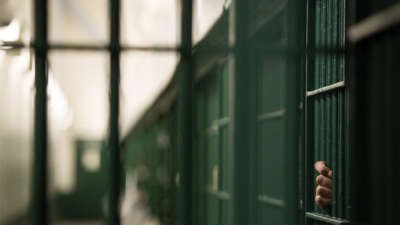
(334, 154)
(317, 102)
(346, 21)
(342, 175)
(310, 113)
(239, 86)
(329, 96)
(339, 172)
(221, 172)
(328, 81)
(200, 101)
(113, 138)
(39, 207)
(326, 219)
(323, 81)
(295, 29)
(256, 155)
(334, 146)
(335, 35)
(196, 160)
(185, 93)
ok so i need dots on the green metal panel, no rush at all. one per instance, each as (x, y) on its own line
(270, 140)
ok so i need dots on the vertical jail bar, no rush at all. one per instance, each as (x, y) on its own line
(221, 168)
(114, 150)
(311, 110)
(317, 101)
(39, 182)
(334, 19)
(342, 176)
(239, 81)
(329, 96)
(292, 103)
(185, 116)
(346, 105)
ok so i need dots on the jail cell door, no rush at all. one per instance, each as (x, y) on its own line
(326, 115)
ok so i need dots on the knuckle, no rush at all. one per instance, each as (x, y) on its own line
(318, 200)
(319, 190)
(319, 179)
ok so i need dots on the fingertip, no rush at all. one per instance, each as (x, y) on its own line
(319, 166)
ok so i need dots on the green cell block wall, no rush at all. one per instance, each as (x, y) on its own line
(153, 148)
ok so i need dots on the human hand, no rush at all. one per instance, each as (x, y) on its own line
(323, 192)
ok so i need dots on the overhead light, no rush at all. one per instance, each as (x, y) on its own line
(11, 32)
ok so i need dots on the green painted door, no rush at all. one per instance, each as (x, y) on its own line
(90, 188)
(270, 154)
(211, 138)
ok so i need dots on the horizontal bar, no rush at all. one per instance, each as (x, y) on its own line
(122, 48)
(222, 122)
(217, 124)
(331, 87)
(211, 49)
(222, 195)
(271, 115)
(13, 45)
(375, 24)
(326, 219)
(83, 47)
(271, 201)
